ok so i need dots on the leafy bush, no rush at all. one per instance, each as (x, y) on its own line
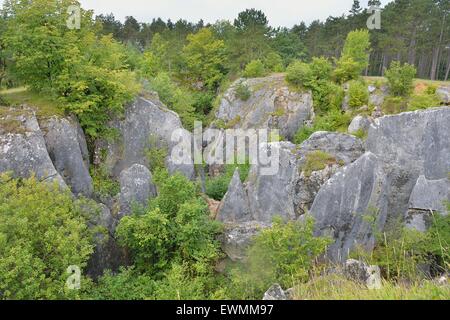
(400, 78)
(423, 101)
(316, 77)
(156, 154)
(286, 250)
(255, 69)
(358, 94)
(400, 251)
(104, 184)
(393, 105)
(243, 92)
(175, 98)
(332, 121)
(274, 62)
(176, 228)
(346, 69)
(355, 56)
(43, 231)
(217, 187)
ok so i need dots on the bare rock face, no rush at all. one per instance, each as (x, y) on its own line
(235, 205)
(270, 105)
(275, 293)
(359, 123)
(444, 93)
(148, 124)
(362, 273)
(22, 148)
(376, 189)
(67, 148)
(236, 238)
(136, 188)
(427, 198)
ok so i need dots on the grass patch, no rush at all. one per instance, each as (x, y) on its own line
(44, 105)
(334, 287)
(317, 161)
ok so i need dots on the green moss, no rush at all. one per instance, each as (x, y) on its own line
(232, 123)
(317, 161)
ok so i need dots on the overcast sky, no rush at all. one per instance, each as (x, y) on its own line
(280, 12)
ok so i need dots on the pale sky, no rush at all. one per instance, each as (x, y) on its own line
(280, 12)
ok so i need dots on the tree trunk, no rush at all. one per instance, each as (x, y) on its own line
(437, 51)
(448, 68)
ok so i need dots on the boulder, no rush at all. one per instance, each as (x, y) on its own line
(136, 188)
(22, 148)
(235, 205)
(275, 293)
(236, 238)
(67, 148)
(375, 191)
(358, 124)
(444, 94)
(362, 273)
(344, 147)
(270, 105)
(147, 124)
(343, 203)
(427, 198)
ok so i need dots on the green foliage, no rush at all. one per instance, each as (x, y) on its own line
(332, 121)
(273, 62)
(176, 98)
(423, 101)
(104, 184)
(175, 229)
(358, 94)
(217, 187)
(355, 56)
(255, 69)
(316, 77)
(316, 161)
(86, 73)
(400, 251)
(394, 105)
(286, 250)
(242, 91)
(156, 154)
(43, 231)
(400, 78)
(205, 58)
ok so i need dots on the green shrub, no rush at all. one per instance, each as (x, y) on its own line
(104, 185)
(358, 94)
(273, 62)
(203, 102)
(423, 101)
(176, 98)
(394, 105)
(156, 154)
(43, 231)
(242, 91)
(316, 77)
(217, 187)
(255, 69)
(286, 250)
(400, 78)
(332, 121)
(346, 69)
(355, 56)
(176, 228)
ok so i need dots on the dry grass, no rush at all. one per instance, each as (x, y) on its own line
(335, 287)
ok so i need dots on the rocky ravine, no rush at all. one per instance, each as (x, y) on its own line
(406, 158)
(401, 171)
(55, 149)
